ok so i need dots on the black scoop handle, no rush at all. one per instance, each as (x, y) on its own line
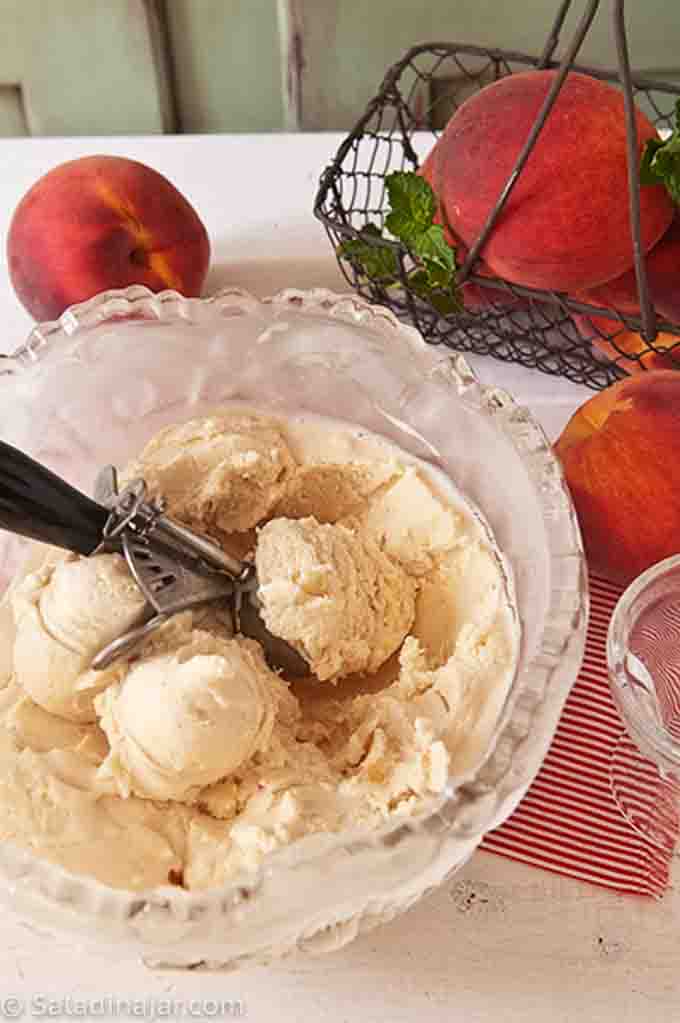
(36, 503)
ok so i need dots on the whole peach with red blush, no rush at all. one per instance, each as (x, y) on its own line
(566, 224)
(621, 456)
(103, 222)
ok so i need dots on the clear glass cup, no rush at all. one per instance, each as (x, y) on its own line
(643, 658)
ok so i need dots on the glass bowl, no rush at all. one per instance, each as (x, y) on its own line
(90, 390)
(643, 657)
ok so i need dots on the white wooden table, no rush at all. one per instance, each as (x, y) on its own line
(500, 941)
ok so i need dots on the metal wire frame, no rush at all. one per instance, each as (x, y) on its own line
(542, 333)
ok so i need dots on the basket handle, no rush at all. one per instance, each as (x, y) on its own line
(537, 127)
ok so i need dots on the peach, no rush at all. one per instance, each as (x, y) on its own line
(566, 224)
(621, 457)
(626, 348)
(103, 222)
(663, 279)
(475, 298)
(621, 294)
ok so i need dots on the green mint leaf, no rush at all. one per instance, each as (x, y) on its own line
(370, 256)
(660, 163)
(413, 205)
(436, 255)
(445, 302)
(437, 276)
(648, 175)
(412, 208)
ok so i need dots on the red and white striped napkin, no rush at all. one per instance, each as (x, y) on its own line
(569, 821)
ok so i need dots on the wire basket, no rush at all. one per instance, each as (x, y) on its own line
(547, 330)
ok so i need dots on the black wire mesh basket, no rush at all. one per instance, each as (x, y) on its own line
(587, 342)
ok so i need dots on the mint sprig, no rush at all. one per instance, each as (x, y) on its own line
(410, 220)
(376, 260)
(413, 207)
(660, 162)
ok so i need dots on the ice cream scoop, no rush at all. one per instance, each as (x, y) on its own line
(174, 567)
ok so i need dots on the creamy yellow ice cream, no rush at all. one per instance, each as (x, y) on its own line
(410, 523)
(181, 720)
(64, 613)
(52, 803)
(221, 475)
(191, 761)
(334, 595)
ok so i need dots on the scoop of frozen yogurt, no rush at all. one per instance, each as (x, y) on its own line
(64, 613)
(183, 719)
(333, 594)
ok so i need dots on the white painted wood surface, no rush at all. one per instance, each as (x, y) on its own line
(499, 941)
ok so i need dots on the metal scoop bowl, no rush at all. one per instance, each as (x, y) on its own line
(174, 567)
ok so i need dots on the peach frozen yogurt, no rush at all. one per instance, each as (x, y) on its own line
(191, 760)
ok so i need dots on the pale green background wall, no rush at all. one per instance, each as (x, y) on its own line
(227, 65)
(130, 66)
(78, 67)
